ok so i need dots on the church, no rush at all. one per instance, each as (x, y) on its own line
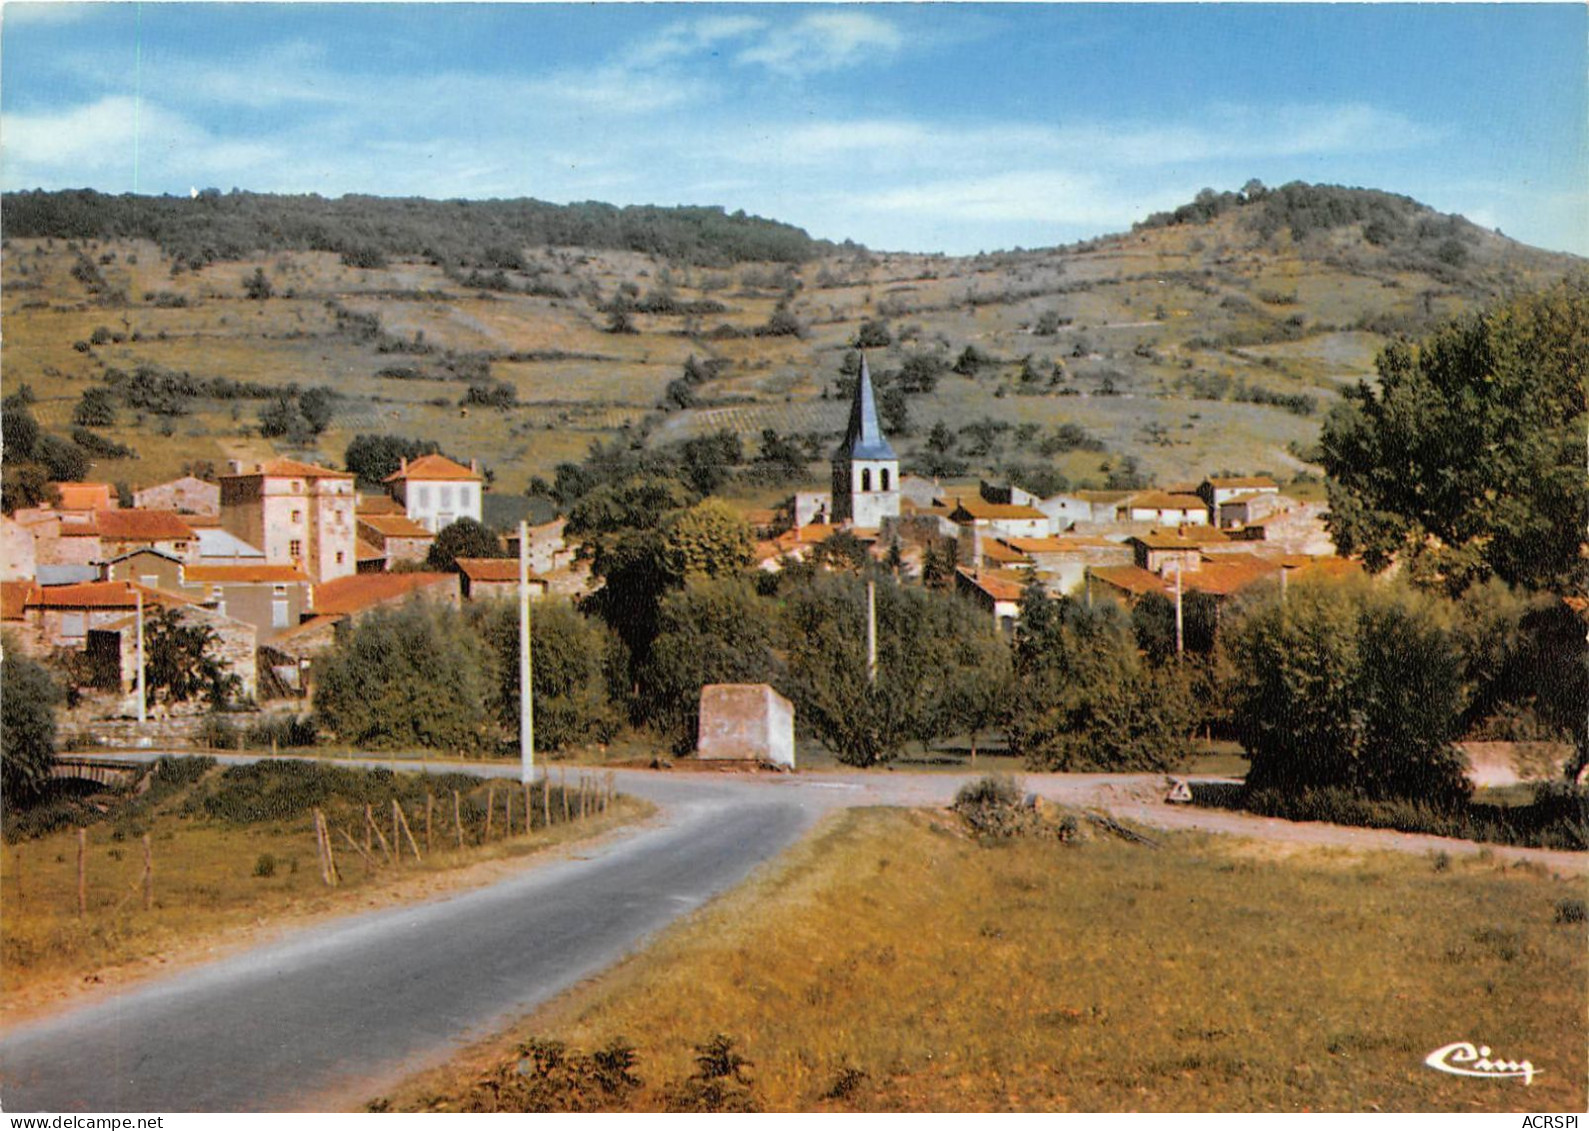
(865, 471)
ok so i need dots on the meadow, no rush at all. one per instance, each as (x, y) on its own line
(892, 962)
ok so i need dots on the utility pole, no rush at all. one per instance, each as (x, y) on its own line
(143, 710)
(1180, 566)
(871, 632)
(526, 680)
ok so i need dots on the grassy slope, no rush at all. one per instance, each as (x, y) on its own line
(1204, 976)
(1136, 303)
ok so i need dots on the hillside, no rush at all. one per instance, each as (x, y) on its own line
(1211, 338)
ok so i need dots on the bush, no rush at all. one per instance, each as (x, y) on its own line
(264, 866)
(28, 695)
(1570, 911)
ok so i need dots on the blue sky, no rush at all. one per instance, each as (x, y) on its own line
(943, 127)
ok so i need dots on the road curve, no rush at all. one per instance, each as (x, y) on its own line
(375, 996)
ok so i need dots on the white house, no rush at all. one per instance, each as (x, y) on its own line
(436, 492)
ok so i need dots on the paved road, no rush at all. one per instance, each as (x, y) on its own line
(375, 996)
(380, 994)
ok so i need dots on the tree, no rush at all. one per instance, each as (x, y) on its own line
(571, 654)
(711, 631)
(1086, 700)
(28, 695)
(922, 650)
(708, 540)
(1348, 686)
(873, 334)
(411, 677)
(372, 457)
(316, 405)
(96, 409)
(181, 661)
(257, 286)
(464, 538)
(279, 417)
(1467, 459)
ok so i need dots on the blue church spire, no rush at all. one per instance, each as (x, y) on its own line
(864, 438)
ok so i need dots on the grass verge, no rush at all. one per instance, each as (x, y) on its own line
(234, 851)
(892, 963)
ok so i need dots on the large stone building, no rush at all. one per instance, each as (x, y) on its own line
(297, 513)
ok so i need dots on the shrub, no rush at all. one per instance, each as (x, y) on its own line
(264, 866)
(1570, 911)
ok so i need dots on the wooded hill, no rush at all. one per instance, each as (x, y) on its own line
(1212, 338)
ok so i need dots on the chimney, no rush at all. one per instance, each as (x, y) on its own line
(236, 465)
(474, 466)
(402, 464)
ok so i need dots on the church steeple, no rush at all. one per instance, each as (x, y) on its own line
(864, 438)
(865, 468)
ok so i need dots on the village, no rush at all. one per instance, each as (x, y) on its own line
(272, 557)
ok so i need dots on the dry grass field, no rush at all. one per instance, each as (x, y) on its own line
(890, 963)
(1156, 331)
(216, 882)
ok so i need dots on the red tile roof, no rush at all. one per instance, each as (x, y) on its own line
(1163, 500)
(998, 550)
(366, 590)
(136, 525)
(100, 595)
(379, 504)
(364, 552)
(240, 574)
(86, 496)
(394, 526)
(999, 586)
(1224, 577)
(1130, 578)
(976, 508)
(433, 467)
(493, 570)
(290, 468)
(14, 598)
(1063, 544)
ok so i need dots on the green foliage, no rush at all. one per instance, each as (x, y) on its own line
(413, 677)
(1087, 700)
(711, 631)
(926, 643)
(708, 540)
(465, 538)
(1467, 459)
(719, 1083)
(257, 286)
(571, 655)
(234, 225)
(1348, 686)
(28, 695)
(181, 662)
(374, 457)
(96, 409)
(272, 791)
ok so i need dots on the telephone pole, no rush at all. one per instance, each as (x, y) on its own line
(871, 632)
(526, 674)
(143, 710)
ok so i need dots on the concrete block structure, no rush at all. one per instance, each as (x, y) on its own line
(745, 722)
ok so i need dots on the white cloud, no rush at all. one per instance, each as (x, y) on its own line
(47, 12)
(825, 41)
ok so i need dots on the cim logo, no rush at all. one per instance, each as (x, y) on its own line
(1462, 1059)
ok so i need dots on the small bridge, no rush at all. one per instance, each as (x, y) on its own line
(108, 772)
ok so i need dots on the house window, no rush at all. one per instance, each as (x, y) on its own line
(340, 556)
(278, 613)
(297, 516)
(866, 479)
(466, 498)
(279, 591)
(884, 474)
(422, 497)
(446, 497)
(149, 580)
(74, 626)
(295, 548)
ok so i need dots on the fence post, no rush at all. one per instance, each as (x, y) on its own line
(491, 808)
(82, 872)
(148, 874)
(457, 818)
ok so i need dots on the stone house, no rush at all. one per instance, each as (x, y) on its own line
(1062, 560)
(483, 579)
(1215, 491)
(123, 531)
(436, 491)
(18, 556)
(397, 537)
(61, 616)
(1163, 509)
(113, 649)
(87, 497)
(996, 592)
(187, 495)
(297, 513)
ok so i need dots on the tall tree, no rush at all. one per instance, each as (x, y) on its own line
(28, 695)
(1468, 458)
